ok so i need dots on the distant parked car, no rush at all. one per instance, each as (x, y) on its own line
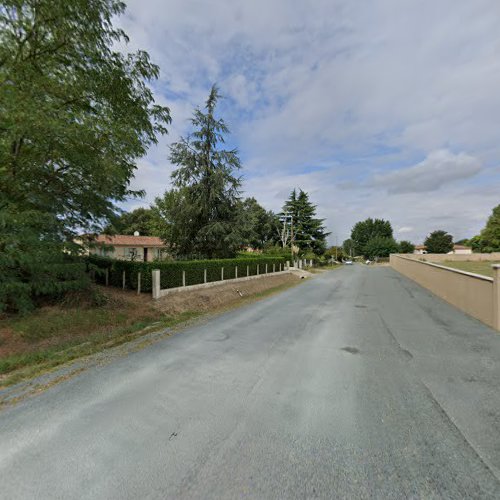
(348, 262)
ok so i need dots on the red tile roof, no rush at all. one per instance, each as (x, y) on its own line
(130, 241)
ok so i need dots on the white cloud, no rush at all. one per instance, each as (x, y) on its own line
(439, 168)
(357, 90)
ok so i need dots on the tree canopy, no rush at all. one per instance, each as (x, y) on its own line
(366, 230)
(309, 231)
(202, 209)
(406, 246)
(142, 220)
(439, 242)
(380, 246)
(75, 115)
(489, 239)
(259, 227)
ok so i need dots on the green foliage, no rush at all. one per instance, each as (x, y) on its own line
(258, 227)
(439, 242)
(200, 215)
(171, 272)
(349, 248)
(406, 246)
(380, 246)
(75, 115)
(364, 231)
(308, 231)
(335, 253)
(35, 261)
(142, 220)
(478, 244)
(489, 239)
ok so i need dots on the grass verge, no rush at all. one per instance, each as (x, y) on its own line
(481, 267)
(53, 336)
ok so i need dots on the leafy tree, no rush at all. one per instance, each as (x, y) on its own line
(348, 247)
(490, 235)
(439, 242)
(207, 188)
(309, 231)
(406, 246)
(477, 244)
(380, 246)
(74, 117)
(364, 231)
(335, 252)
(259, 228)
(141, 219)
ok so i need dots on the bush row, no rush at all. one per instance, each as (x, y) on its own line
(171, 271)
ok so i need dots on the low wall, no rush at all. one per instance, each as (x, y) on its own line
(476, 295)
(457, 257)
(158, 292)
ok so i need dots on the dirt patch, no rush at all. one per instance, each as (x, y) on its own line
(215, 298)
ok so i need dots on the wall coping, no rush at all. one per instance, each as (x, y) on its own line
(458, 271)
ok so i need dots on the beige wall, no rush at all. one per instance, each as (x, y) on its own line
(123, 253)
(474, 294)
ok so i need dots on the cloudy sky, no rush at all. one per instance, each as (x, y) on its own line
(381, 108)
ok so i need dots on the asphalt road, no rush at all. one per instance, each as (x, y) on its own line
(356, 384)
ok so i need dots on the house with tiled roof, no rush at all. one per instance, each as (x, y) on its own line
(457, 249)
(126, 247)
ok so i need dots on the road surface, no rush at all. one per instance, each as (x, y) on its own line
(356, 384)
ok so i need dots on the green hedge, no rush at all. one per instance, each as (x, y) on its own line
(171, 271)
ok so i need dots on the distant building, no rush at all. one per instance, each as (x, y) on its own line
(461, 250)
(420, 249)
(125, 247)
(457, 249)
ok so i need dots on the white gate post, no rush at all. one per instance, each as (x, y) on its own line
(156, 283)
(235, 271)
(183, 278)
(496, 296)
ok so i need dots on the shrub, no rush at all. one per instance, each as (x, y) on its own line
(171, 271)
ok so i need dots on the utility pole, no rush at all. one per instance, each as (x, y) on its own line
(291, 236)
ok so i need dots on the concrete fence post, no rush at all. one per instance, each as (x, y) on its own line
(248, 271)
(266, 268)
(138, 283)
(496, 296)
(156, 283)
(258, 269)
(235, 271)
(183, 278)
(107, 276)
(311, 262)
(274, 268)
(287, 265)
(222, 274)
(204, 275)
(123, 280)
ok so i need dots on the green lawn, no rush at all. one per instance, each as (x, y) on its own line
(482, 267)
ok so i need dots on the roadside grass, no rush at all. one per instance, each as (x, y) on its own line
(482, 267)
(53, 336)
